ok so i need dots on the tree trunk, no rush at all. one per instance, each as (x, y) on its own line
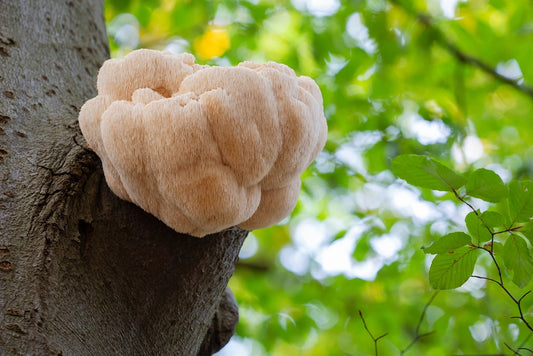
(81, 271)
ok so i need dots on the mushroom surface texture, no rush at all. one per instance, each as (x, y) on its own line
(204, 148)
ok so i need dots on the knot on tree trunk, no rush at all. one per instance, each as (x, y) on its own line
(223, 325)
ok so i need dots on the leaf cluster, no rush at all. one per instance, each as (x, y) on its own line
(503, 232)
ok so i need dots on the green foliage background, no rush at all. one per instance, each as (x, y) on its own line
(397, 77)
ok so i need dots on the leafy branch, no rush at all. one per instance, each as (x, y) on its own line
(511, 349)
(457, 252)
(500, 282)
(461, 55)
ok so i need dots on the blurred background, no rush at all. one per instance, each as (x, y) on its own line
(451, 79)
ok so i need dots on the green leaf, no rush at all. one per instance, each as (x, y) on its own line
(476, 228)
(424, 172)
(527, 231)
(493, 219)
(448, 243)
(517, 258)
(520, 201)
(486, 185)
(451, 270)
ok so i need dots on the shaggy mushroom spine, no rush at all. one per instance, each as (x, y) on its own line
(204, 148)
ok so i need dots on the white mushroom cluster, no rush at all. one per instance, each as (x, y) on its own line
(204, 148)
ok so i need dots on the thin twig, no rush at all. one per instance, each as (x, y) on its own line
(415, 340)
(521, 347)
(525, 349)
(375, 339)
(518, 302)
(491, 253)
(465, 202)
(509, 230)
(509, 347)
(430, 301)
(418, 336)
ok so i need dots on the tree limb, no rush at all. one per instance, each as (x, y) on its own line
(461, 55)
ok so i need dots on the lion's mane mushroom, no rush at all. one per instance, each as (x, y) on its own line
(204, 148)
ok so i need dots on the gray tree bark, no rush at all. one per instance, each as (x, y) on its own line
(81, 271)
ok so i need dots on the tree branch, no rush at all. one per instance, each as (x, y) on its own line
(463, 56)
